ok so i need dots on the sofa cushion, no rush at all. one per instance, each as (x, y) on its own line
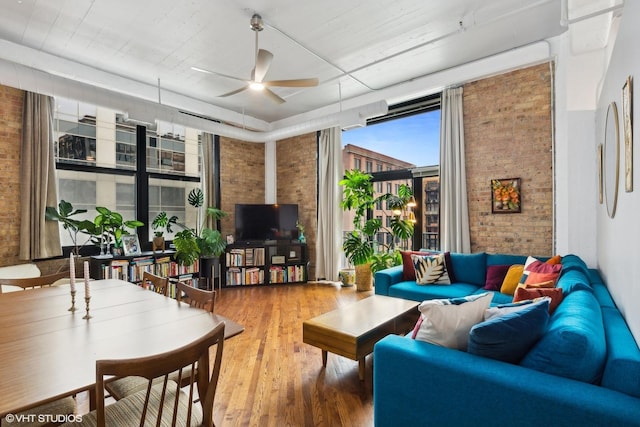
(574, 345)
(622, 367)
(511, 280)
(574, 262)
(509, 336)
(500, 259)
(573, 280)
(411, 290)
(430, 269)
(495, 276)
(447, 322)
(469, 268)
(603, 296)
(524, 293)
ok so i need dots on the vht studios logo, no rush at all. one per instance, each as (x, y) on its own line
(43, 418)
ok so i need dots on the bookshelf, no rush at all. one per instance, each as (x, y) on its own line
(265, 263)
(130, 268)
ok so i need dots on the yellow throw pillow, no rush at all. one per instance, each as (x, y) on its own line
(511, 280)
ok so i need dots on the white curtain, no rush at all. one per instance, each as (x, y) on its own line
(38, 238)
(329, 235)
(209, 184)
(454, 210)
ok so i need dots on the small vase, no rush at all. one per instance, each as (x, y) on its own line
(301, 238)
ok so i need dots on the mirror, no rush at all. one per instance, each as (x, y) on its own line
(611, 158)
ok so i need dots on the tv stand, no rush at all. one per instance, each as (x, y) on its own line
(267, 262)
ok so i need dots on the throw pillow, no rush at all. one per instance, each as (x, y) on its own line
(509, 337)
(430, 270)
(447, 322)
(495, 276)
(524, 293)
(408, 270)
(557, 259)
(511, 280)
(552, 271)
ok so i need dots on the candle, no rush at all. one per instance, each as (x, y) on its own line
(72, 273)
(86, 280)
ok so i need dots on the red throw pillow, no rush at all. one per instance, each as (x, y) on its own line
(495, 277)
(523, 293)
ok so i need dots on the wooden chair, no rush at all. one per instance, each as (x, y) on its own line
(195, 297)
(126, 386)
(162, 402)
(157, 284)
(31, 282)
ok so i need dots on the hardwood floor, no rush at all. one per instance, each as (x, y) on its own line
(269, 377)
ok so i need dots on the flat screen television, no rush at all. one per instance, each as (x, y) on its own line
(266, 222)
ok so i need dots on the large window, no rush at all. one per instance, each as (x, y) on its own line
(407, 139)
(96, 158)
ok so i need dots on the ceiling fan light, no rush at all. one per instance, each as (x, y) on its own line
(256, 86)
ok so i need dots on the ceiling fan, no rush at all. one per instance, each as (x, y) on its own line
(263, 60)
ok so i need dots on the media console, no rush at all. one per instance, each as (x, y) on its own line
(259, 263)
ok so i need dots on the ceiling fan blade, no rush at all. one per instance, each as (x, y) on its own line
(292, 83)
(233, 92)
(215, 73)
(271, 95)
(263, 61)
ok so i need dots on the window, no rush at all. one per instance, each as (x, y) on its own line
(356, 164)
(369, 166)
(96, 158)
(409, 139)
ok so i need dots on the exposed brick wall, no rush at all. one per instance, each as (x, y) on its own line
(507, 126)
(241, 177)
(297, 182)
(11, 104)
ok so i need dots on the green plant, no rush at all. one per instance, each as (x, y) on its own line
(360, 246)
(192, 243)
(163, 222)
(64, 215)
(110, 227)
(358, 197)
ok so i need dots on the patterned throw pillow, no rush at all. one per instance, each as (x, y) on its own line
(430, 270)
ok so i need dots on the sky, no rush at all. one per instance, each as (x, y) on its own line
(414, 139)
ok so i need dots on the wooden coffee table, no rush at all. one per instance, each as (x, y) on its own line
(352, 331)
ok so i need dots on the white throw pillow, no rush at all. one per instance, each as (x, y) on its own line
(430, 269)
(447, 322)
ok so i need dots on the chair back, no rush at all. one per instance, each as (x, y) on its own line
(195, 297)
(163, 403)
(34, 282)
(157, 284)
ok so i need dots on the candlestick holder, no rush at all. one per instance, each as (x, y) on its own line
(86, 301)
(73, 302)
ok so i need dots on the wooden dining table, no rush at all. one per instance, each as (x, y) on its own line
(48, 352)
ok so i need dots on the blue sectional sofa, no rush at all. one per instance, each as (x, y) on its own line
(584, 370)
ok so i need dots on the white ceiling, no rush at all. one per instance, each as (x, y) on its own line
(146, 48)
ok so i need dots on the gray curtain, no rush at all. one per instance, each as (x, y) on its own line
(208, 187)
(38, 238)
(454, 210)
(329, 235)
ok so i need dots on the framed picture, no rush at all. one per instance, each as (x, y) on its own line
(627, 120)
(599, 168)
(506, 196)
(130, 244)
(230, 239)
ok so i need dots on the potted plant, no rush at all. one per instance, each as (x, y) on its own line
(360, 247)
(109, 227)
(64, 215)
(194, 243)
(159, 224)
